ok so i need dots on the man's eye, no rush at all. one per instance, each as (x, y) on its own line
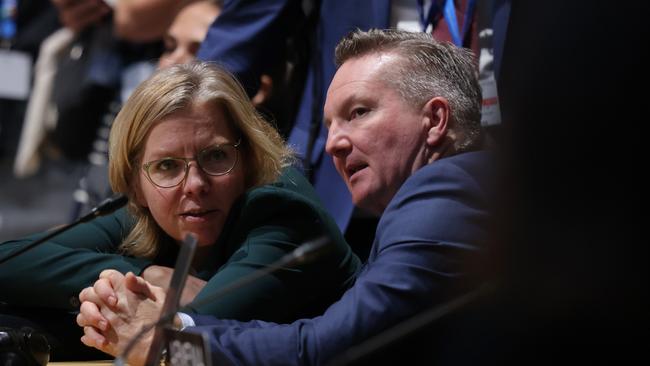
(358, 112)
(169, 44)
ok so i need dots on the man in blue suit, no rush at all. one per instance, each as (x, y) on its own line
(403, 120)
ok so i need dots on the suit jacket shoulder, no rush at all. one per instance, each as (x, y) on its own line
(437, 203)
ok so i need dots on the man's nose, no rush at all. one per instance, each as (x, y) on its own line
(338, 142)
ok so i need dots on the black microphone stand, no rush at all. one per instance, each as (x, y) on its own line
(172, 300)
(105, 207)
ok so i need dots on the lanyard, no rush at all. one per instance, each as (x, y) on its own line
(7, 20)
(450, 16)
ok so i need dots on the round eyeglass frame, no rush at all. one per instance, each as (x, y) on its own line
(146, 166)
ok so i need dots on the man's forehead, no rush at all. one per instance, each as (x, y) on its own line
(359, 70)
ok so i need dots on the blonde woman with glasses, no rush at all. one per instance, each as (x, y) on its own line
(193, 156)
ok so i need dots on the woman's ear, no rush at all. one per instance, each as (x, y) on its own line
(436, 113)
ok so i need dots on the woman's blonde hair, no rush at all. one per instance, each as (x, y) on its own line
(167, 91)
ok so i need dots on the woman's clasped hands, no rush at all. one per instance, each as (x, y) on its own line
(115, 309)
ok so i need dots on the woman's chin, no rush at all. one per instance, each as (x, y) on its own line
(203, 238)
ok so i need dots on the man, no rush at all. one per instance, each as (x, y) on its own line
(403, 118)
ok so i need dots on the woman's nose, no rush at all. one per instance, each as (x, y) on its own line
(197, 181)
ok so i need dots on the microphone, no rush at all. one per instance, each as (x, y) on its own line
(308, 252)
(104, 208)
(173, 296)
(23, 347)
(305, 253)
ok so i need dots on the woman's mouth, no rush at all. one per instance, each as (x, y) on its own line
(197, 215)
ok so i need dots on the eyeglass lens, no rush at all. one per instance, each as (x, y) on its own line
(215, 160)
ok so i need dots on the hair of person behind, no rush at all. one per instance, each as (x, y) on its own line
(170, 90)
(428, 68)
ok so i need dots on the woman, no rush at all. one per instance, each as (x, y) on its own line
(193, 156)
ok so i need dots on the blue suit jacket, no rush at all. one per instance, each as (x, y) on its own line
(439, 216)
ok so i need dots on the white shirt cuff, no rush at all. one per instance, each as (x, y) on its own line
(186, 320)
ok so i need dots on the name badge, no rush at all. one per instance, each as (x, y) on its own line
(15, 74)
(490, 111)
(187, 349)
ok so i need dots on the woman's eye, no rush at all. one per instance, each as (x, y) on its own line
(166, 165)
(169, 44)
(214, 155)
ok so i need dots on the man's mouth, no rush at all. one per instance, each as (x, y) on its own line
(353, 169)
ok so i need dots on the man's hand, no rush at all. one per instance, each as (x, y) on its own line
(79, 14)
(115, 309)
(161, 276)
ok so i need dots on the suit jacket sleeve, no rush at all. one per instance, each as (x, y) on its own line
(436, 218)
(53, 274)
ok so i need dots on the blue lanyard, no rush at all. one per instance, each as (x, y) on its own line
(450, 17)
(7, 20)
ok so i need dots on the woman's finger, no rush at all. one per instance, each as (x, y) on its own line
(93, 338)
(104, 288)
(139, 286)
(90, 315)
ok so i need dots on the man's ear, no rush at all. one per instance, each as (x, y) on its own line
(436, 112)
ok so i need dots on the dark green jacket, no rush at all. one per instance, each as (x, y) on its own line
(264, 224)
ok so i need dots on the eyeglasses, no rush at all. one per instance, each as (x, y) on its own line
(214, 160)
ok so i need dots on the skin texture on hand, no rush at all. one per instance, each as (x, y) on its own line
(79, 14)
(114, 309)
(161, 276)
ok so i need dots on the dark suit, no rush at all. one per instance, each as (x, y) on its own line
(263, 225)
(438, 217)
